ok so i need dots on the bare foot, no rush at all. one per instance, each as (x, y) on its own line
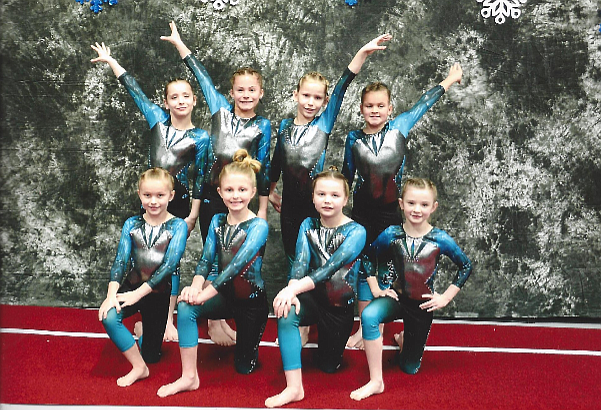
(180, 385)
(356, 340)
(399, 338)
(138, 329)
(218, 335)
(304, 334)
(288, 395)
(133, 376)
(228, 330)
(369, 389)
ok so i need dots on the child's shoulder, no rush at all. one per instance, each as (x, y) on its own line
(175, 223)
(262, 121)
(133, 221)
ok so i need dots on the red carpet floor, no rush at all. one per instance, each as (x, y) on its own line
(69, 360)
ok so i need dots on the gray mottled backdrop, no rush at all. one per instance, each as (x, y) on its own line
(515, 149)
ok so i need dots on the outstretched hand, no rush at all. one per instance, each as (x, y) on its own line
(455, 73)
(104, 53)
(375, 44)
(174, 37)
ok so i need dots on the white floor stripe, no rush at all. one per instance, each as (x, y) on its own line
(473, 349)
(71, 407)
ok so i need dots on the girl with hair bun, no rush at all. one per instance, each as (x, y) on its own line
(235, 244)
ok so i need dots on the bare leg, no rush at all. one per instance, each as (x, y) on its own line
(293, 392)
(399, 338)
(373, 351)
(304, 334)
(139, 369)
(356, 340)
(189, 379)
(138, 329)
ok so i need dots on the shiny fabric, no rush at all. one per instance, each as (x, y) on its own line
(414, 261)
(230, 132)
(329, 256)
(300, 150)
(378, 159)
(238, 250)
(152, 261)
(171, 149)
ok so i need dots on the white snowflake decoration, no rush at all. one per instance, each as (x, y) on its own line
(220, 4)
(500, 9)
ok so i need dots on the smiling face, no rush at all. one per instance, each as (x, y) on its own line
(329, 197)
(179, 99)
(375, 109)
(246, 92)
(417, 205)
(310, 96)
(155, 194)
(236, 190)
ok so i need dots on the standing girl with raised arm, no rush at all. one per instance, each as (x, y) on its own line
(175, 143)
(322, 285)
(152, 245)
(301, 145)
(377, 155)
(236, 242)
(414, 248)
(233, 127)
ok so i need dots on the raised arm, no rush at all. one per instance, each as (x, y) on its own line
(455, 74)
(175, 39)
(408, 119)
(104, 56)
(369, 48)
(214, 99)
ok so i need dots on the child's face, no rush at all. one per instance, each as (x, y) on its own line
(246, 92)
(180, 99)
(236, 190)
(375, 109)
(418, 204)
(311, 96)
(155, 195)
(329, 197)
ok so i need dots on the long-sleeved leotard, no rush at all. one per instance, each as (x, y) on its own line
(329, 257)
(172, 149)
(238, 251)
(378, 160)
(411, 268)
(153, 255)
(299, 155)
(229, 133)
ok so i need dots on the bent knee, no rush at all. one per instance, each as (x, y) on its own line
(370, 323)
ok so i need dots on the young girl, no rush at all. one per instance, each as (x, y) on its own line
(414, 248)
(153, 245)
(175, 143)
(301, 145)
(232, 128)
(236, 241)
(322, 285)
(377, 155)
